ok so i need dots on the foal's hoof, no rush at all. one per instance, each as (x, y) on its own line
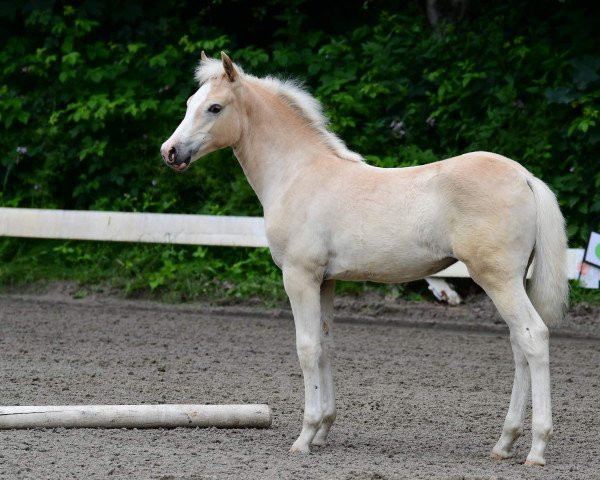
(538, 462)
(320, 439)
(319, 442)
(300, 449)
(500, 456)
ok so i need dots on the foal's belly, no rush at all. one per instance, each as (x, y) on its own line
(391, 271)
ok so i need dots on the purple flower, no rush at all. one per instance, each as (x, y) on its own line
(398, 129)
(22, 150)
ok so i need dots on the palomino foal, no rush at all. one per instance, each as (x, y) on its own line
(331, 216)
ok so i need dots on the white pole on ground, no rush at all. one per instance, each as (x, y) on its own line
(136, 416)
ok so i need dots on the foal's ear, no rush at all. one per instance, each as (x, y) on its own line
(203, 57)
(230, 70)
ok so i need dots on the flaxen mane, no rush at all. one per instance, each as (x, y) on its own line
(305, 105)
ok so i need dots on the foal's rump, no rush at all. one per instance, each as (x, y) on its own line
(491, 215)
(502, 217)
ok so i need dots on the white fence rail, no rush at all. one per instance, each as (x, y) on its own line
(133, 227)
(190, 230)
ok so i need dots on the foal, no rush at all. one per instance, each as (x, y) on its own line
(331, 216)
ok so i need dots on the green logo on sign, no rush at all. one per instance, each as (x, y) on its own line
(597, 251)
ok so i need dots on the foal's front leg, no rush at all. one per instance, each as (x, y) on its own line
(303, 290)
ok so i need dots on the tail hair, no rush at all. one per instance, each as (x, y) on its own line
(549, 286)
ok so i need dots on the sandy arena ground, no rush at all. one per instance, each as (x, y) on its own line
(417, 398)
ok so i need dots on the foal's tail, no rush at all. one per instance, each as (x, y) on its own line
(549, 288)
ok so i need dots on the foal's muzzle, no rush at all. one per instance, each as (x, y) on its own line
(176, 160)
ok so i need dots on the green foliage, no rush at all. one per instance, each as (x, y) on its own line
(168, 272)
(89, 91)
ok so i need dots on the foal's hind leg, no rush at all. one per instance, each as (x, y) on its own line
(530, 333)
(515, 418)
(325, 367)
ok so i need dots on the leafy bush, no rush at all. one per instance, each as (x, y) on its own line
(88, 94)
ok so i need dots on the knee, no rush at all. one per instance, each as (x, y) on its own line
(309, 352)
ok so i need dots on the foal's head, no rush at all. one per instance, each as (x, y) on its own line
(212, 119)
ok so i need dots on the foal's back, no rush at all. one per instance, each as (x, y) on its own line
(394, 225)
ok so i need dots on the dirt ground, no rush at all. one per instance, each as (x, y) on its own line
(422, 390)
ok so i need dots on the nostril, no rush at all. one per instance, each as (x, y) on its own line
(172, 155)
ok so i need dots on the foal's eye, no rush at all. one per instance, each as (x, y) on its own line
(215, 108)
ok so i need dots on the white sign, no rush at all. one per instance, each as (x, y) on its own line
(592, 252)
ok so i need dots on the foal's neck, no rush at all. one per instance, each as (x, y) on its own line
(276, 143)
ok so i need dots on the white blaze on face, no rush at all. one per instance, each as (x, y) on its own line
(188, 128)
